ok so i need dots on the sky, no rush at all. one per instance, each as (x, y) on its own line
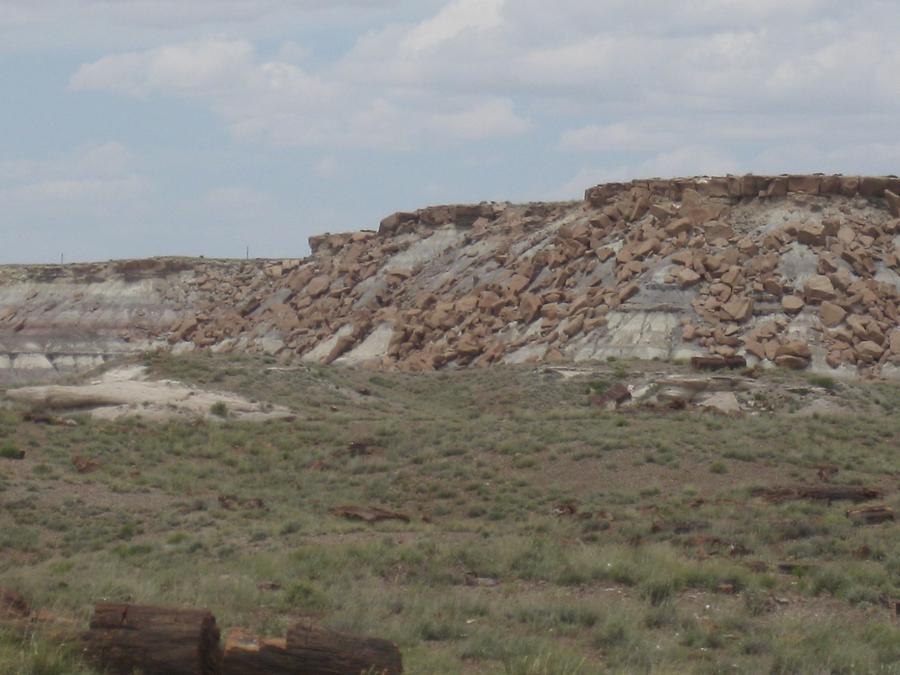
(135, 128)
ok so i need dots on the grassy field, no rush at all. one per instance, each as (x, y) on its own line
(545, 536)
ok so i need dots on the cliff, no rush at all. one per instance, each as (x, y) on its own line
(793, 271)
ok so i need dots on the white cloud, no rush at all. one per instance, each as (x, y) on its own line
(96, 160)
(490, 118)
(603, 138)
(285, 105)
(455, 18)
(163, 13)
(327, 167)
(192, 69)
(236, 198)
(91, 179)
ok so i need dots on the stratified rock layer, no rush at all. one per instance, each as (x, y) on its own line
(796, 271)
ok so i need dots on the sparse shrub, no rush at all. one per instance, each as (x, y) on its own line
(9, 450)
(598, 387)
(304, 596)
(823, 381)
(219, 409)
(718, 467)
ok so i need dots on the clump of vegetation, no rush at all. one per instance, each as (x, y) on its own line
(823, 381)
(598, 387)
(718, 467)
(219, 409)
(9, 450)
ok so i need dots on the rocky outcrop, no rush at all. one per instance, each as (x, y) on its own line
(794, 271)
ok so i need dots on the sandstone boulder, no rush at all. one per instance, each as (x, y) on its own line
(678, 226)
(318, 285)
(831, 314)
(792, 304)
(893, 202)
(795, 348)
(811, 234)
(869, 351)
(687, 278)
(739, 308)
(818, 288)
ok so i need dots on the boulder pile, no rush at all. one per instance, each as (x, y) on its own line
(787, 271)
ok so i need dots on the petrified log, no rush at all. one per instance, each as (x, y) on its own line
(718, 362)
(309, 650)
(831, 493)
(370, 514)
(247, 654)
(871, 515)
(152, 640)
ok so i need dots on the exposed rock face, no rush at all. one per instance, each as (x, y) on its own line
(797, 271)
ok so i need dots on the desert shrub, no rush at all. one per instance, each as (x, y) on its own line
(9, 450)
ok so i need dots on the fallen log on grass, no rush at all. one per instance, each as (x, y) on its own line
(310, 650)
(370, 514)
(830, 493)
(153, 641)
(871, 515)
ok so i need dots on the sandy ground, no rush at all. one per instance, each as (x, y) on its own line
(126, 392)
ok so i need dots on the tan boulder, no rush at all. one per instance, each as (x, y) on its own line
(827, 264)
(663, 211)
(831, 314)
(687, 277)
(895, 342)
(467, 304)
(629, 292)
(834, 358)
(805, 184)
(841, 279)
(893, 202)
(573, 326)
(869, 351)
(517, 284)
(604, 254)
(731, 275)
(818, 288)
(846, 235)
(773, 286)
(792, 304)
(467, 346)
(859, 326)
(344, 344)
(718, 231)
(645, 248)
(795, 348)
(756, 348)
(790, 361)
(739, 308)
(678, 226)
(318, 285)
(811, 234)
(552, 311)
(530, 307)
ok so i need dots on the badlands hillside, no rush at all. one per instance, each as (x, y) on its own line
(791, 271)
